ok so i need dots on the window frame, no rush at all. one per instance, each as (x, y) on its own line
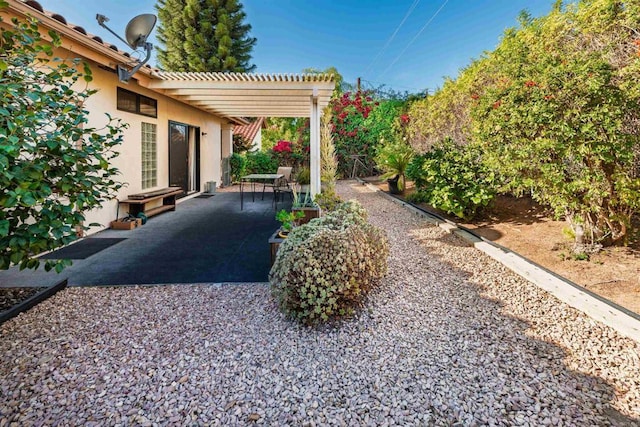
(138, 101)
(146, 182)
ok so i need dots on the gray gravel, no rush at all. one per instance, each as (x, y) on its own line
(451, 337)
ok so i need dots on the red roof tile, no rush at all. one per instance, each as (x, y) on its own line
(248, 132)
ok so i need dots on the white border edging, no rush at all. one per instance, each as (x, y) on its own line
(564, 290)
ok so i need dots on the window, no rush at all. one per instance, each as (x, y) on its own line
(136, 103)
(149, 156)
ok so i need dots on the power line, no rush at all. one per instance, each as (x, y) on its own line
(373, 83)
(393, 36)
(413, 39)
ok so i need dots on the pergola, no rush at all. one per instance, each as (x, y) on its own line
(233, 95)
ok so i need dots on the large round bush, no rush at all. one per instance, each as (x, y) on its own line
(324, 268)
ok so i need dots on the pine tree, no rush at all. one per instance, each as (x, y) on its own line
(204, 35)
(171, 35)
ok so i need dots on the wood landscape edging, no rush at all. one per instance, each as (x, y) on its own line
(598, 308)
(32, 301)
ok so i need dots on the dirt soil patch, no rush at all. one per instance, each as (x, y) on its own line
(527, 228)
(14, 296)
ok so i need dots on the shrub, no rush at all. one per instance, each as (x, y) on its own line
(328, 159)
(260, 162)
(453, 179)
(241, 145)
(563, 122)
(393, 159)
(238, 166)
(303, 177)
(328, 200)
(324, 268)
(360, 121)
(288, 219)
(54, 167)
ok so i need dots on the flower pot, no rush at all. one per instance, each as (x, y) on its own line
(283, 234)
(121, 224)
(393, 185)
(274, 242)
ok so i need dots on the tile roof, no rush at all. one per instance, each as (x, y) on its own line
(40, 11)
(248, 132)
(228, 95)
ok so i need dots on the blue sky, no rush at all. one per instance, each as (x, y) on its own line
(436, 38)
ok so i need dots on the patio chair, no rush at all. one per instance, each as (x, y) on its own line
(280, 184)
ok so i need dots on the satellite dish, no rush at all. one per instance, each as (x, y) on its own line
(137, 32)
(138, 29)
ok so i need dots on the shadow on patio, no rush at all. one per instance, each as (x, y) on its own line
(204, 241)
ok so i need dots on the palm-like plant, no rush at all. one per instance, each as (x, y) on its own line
(393, 159)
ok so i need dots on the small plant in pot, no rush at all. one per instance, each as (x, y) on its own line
(304, 204)
(287, 221)
(303, 178)
(393, 159)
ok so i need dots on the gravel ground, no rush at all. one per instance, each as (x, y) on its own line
(451, 337)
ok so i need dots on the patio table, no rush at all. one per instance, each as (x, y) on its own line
(252, 179)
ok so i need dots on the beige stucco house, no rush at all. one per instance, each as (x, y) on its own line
(180, 124)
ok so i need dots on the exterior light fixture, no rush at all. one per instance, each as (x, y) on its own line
(136, 34)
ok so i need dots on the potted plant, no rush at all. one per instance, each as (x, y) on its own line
(304, 205)
(394, 159)
(303, 178)
(288, 221)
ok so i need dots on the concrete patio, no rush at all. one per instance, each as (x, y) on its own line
(203, 241)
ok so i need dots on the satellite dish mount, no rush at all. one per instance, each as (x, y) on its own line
(136, 34)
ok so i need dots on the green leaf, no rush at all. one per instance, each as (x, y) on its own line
(28, 199)
(4, 227)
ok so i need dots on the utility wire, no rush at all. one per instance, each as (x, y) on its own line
(413, 40)
(393, 36)
(389, 85)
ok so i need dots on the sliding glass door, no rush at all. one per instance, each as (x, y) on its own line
(184, 157)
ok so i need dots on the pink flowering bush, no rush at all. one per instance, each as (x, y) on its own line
(288, 153)
(282, 147)
(359, 124)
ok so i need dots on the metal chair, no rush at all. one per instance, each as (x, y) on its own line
(280, 182)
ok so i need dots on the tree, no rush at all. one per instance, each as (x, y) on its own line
(446, 113)
(280, 128)
(361, 124)
(337, 78)
(562, 119)
(53, 167)
(170, 34)
(204, 35)
(555, 110)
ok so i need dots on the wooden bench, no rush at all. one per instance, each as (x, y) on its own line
(138, 202)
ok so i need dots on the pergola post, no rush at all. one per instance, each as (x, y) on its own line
(226, 139)
(226, 149)
(314, 144)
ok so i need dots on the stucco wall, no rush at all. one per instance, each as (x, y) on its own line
(258, 140)
(130, 159)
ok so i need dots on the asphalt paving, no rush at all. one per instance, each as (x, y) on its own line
(205, 240)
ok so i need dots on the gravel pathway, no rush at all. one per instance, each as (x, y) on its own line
(450, 338)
